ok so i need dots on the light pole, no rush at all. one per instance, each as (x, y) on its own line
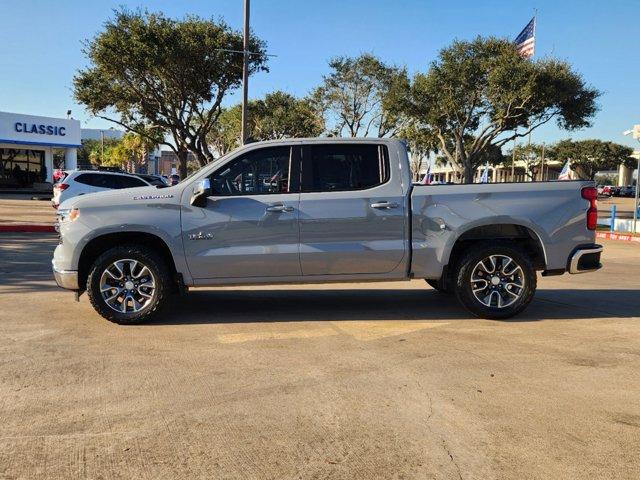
(245, 71)
(635, 133)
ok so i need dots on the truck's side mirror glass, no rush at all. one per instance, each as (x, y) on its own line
(201, 192)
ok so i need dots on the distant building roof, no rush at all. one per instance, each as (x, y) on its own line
(96, 133)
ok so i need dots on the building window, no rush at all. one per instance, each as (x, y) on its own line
(21, 168)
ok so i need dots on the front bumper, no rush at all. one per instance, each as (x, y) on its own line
(585, 259)
(66, 278)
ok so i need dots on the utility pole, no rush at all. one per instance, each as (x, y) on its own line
(245, 72)
(635, 133)
(542, 165)
(101, 147)
(529, 159)
(513, 161)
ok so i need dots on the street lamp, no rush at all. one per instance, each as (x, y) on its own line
(635, 133)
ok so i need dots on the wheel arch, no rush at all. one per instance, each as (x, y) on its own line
(99, 244)
(529, 240)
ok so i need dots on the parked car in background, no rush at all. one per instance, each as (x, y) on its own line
(605, 190)
(323, 210)
(156, 180)
(174, 179)
(627, 191)
(81, 182)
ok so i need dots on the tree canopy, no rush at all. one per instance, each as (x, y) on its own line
(484, 90)
(529, 156)
(361, 97)
(590, 156)
(278, 115)
(148, 71)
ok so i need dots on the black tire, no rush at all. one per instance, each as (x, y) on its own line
(159, 273)
(469, 263)
(438, 285)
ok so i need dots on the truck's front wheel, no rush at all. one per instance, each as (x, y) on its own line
(128, 284)
(495, 281)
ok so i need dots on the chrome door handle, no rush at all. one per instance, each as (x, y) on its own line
(384, 205)
(279, 208)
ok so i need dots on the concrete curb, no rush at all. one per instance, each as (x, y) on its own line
(27, 228)
(618, 236)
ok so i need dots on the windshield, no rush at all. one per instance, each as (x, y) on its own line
(197, 171)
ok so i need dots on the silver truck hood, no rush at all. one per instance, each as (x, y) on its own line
(125, 196)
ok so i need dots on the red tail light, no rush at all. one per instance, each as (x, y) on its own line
(61, 186)
(591, 194)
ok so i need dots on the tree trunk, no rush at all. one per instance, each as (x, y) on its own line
(469, 172)
(182, 162)
(202, 158)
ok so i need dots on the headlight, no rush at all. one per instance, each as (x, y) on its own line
(68, 214)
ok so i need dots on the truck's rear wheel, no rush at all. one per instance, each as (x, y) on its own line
(495, 281)
(128, 284)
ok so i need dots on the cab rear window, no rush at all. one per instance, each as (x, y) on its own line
(336, 167)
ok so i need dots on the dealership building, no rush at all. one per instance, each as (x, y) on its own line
(31, 147)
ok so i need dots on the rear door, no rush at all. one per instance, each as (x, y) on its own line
(352, 215)
(249, 226)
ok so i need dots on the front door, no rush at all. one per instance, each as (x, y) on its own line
(249, 226)
(352, 213)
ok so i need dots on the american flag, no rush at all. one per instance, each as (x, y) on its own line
(565, 174)
(485, 174)
(526, 41)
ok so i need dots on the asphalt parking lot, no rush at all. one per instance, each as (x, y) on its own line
(385, 380)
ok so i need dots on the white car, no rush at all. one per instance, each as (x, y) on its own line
(81, 182)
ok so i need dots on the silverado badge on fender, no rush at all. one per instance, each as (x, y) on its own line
(200, 236)
(151, 197)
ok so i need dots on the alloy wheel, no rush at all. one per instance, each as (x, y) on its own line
(497, 281)
(127, 286)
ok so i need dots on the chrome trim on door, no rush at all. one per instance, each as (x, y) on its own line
(384, 205)
(279, 208)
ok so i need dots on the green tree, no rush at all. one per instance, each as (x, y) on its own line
(361, 97)
(530, 156)
(94, 152)
(485, 90)
(590, 156)
(224, 136)
(281, 115)
(131, 152)
(278, 115)
(421, 143)
(148, 71)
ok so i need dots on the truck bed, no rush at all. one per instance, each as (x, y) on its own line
(553, 213)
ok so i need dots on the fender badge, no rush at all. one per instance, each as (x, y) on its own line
(200, 236)
(151, 197)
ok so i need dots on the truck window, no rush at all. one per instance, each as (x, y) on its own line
(261, 172)
(331, 168)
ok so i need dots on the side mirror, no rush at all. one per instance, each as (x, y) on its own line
(200, 193)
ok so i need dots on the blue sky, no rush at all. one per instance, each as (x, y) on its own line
(41, 42)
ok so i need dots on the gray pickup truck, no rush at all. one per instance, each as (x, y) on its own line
(323, 210)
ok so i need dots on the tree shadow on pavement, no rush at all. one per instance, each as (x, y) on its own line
(309, 305)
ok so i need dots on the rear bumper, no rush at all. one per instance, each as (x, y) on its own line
(585, 259)
(66, 278)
